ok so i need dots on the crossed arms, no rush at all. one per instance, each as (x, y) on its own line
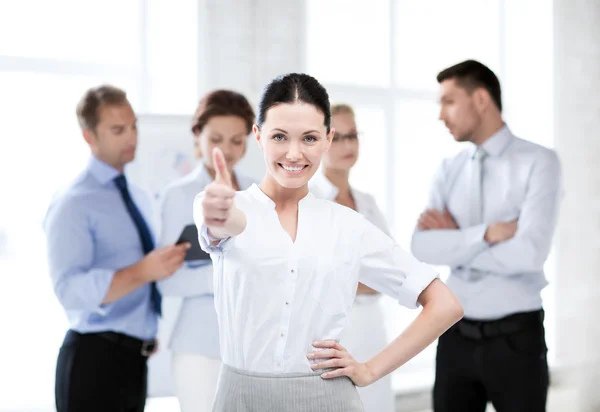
(505, 248)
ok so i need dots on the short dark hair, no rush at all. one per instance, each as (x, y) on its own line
(222, 103)
(295, 87)
(471, 75)
(88, 108)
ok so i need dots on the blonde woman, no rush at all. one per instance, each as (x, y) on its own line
(365, 334)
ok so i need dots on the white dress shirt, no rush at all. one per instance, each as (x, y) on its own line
(189, 321)
(274, 297)
(520, 180)
(365, 204)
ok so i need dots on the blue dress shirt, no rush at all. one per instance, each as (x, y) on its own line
(90, 236)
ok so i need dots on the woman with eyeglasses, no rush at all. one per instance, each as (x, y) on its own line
(365, 335)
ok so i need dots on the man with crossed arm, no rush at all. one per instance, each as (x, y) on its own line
(491, 216)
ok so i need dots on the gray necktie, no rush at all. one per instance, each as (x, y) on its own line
(476, 203)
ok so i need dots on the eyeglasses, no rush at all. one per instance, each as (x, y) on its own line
(338, 137)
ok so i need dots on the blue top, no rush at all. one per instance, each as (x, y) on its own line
(90, 235)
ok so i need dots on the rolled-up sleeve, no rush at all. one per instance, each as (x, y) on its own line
(70, 247)
(387, 268)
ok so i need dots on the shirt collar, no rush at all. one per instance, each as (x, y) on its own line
(495, 145)
(323, 187)
(103, 172)
(258, 194)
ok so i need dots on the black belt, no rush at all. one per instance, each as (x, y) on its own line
(144, 347)
(138, 346)
(485, 329)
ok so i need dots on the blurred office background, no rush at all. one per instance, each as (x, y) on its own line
(381, 56)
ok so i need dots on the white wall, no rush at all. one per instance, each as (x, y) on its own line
(245, 44)
(577, 125)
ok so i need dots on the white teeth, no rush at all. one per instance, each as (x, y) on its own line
(293, 168)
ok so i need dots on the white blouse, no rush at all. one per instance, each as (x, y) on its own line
(366, 205)
(274, 297)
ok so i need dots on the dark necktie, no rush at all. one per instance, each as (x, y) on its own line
(143, 232)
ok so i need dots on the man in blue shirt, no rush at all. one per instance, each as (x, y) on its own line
(104, 267)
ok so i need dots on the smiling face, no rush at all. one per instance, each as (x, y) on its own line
(293, 139)
(344, 148)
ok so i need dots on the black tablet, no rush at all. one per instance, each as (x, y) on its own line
(190, 234)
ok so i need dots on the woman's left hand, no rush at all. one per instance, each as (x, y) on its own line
(336, 356)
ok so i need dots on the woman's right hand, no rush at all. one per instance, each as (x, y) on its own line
(218, 200)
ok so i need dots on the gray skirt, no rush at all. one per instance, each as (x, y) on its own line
(242, 391)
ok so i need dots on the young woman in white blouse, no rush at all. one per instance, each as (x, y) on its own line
(189, 325)
(287, 266)
(366, 317)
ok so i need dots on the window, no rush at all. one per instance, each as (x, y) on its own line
(106, 32)
(433, 34)
(48, 59)
(171, 57)
(349, 42)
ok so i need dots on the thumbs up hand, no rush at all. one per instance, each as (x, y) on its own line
(219, 194)
(222, 173)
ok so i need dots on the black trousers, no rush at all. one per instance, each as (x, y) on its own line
(95, 374)
(510, 370)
